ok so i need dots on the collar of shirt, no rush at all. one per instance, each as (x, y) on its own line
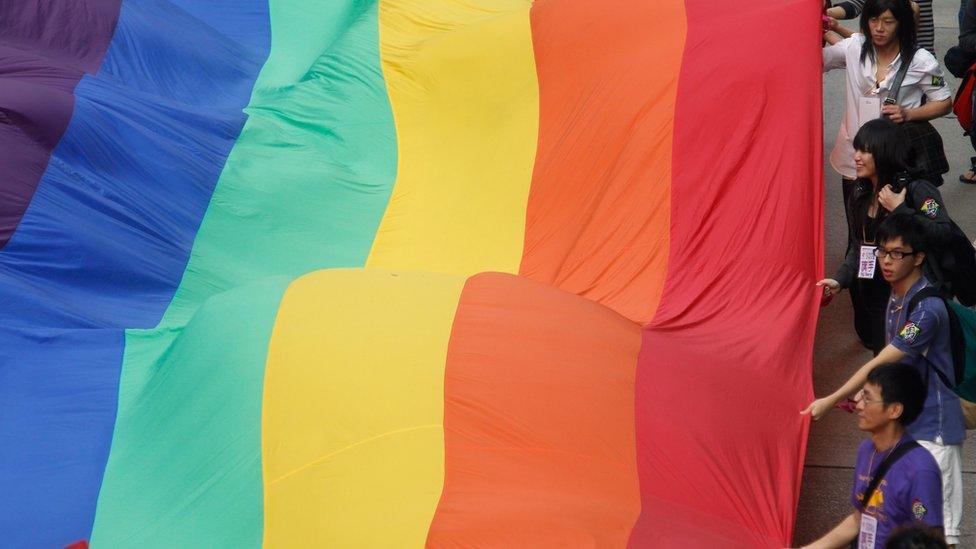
(869, 71)
(896, 303)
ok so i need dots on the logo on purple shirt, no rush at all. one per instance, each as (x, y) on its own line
(918, 509)
(909, 332)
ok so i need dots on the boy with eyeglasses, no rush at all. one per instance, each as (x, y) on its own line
(919, 338)
(909, 489)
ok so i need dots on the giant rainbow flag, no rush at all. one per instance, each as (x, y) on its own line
(388, 273)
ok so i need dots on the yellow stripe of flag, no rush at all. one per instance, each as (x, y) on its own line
(463, 87)
(353, 442)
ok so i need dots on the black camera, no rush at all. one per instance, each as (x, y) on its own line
(902, 179)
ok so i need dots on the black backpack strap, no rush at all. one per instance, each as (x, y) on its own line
(886, 464)
(942, 377)
(924, 293)
(899, 77)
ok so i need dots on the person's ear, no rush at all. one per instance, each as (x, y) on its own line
(895, 410)
(919, 258)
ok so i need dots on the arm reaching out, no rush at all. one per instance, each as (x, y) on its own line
(819, 408)
(842, 534)
(830, 286)
(841, 30)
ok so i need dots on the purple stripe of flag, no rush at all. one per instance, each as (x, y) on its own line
(46, 46)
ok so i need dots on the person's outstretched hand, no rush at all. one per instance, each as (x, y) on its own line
(830, 286)
(817, 409)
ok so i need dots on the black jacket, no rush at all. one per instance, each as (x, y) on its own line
(922, 200)
(967, 29)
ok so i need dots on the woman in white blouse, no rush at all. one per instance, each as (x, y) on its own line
(871, 59)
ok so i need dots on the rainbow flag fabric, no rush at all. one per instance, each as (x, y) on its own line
(396, 273)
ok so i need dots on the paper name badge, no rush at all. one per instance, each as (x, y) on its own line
(869, 532)
(868, 262)
(868, 108)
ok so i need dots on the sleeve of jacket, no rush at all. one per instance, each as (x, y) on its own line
(848, 269)
(924, 201)
(967, 29)
(852, 8)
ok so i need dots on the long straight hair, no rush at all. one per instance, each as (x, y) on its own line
(902, 10)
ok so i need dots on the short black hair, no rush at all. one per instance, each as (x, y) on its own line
(916, 536)
(902, 225)
(903, 384)
(902, 10)
(890, 147)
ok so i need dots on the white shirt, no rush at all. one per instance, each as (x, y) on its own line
(865, 96)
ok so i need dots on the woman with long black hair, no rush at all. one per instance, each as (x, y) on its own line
(882, 161)
(925, 24)
(872, 59)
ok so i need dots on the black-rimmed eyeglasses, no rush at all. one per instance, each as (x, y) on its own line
(880, 253)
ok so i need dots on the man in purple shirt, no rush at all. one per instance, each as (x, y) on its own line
(911, 489)
(919, 338)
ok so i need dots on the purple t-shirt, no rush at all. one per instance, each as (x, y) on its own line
(911, 490)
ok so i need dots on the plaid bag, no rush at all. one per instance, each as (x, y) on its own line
(929, 154)
(928, 151)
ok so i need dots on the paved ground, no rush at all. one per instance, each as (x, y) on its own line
(833, 441)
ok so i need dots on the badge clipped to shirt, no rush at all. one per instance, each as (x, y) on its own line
(869, 532)
(868, 108)
(868, 262)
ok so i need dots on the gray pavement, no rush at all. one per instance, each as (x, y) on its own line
(833, 441)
